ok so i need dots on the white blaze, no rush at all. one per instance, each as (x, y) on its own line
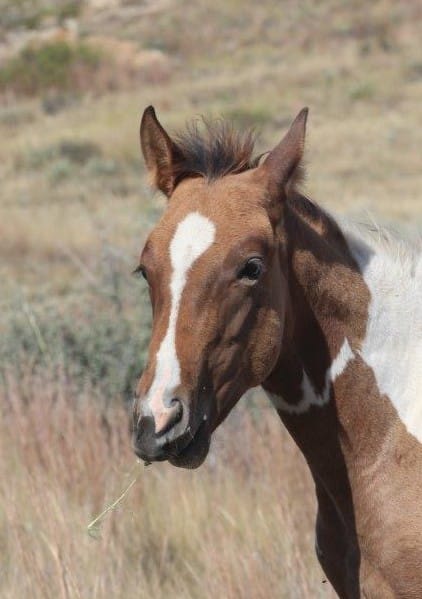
(309, 396)
(193, 236)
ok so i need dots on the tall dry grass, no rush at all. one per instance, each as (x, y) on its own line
(239, 527)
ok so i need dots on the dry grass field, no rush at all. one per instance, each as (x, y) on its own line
(74, 209)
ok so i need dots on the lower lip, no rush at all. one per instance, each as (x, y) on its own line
(190, 447)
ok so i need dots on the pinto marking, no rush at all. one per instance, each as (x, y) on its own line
(193, 236)
(392, 347)
(309, 396)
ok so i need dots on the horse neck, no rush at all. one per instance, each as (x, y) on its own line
(315, 384)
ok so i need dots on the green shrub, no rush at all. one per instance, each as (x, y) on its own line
(30, 13)
(99, 167)
(103, 349)
(363, 90)
(60, 170)
(55, 65)
(55, 101)
(78, 152)
(73, 151)
(99, 338)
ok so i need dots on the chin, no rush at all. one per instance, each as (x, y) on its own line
(194, 454)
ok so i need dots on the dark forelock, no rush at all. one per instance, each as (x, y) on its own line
(213, 149)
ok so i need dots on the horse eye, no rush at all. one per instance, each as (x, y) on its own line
(140, 272)
(251, 271)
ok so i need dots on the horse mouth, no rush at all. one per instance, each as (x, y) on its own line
(194, 452)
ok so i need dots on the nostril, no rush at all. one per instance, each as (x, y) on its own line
(169, 417)
(172, 402)
(176, 407)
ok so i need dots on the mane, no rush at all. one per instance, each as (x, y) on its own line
(365, 236)
(383, 241)
(213, 149)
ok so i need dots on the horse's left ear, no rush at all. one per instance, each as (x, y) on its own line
(160, 152)
(283, 162)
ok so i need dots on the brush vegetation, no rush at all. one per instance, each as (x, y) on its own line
(56, 65)
(75, 209)
(29, 14)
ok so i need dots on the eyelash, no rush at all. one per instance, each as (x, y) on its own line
(140, 272)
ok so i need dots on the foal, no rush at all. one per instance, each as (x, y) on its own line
(253, 284)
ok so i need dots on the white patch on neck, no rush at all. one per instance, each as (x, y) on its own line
(193, 236)
(393, 343)
(309, 395)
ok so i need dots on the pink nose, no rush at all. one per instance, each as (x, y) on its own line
(168, 417)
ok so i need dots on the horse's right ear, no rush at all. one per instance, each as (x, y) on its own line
(283, 164)
(160, 152)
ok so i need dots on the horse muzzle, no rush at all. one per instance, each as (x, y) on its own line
(172, 437)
